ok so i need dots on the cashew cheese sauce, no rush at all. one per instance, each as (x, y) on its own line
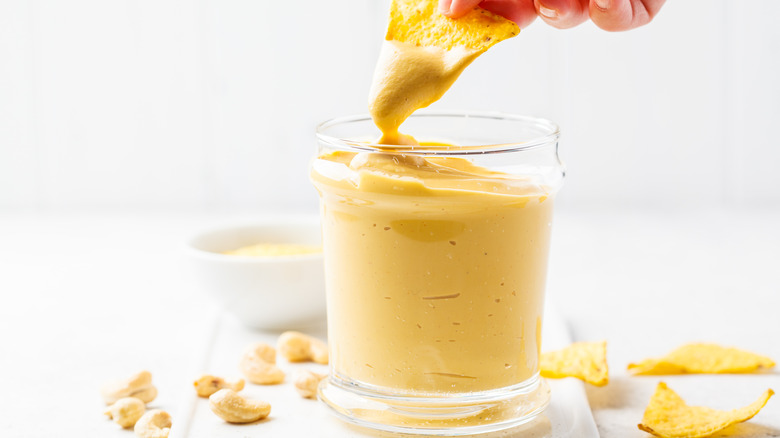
(435, 271)
(435, 267)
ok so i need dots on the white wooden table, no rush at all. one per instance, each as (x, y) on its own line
(87, 297)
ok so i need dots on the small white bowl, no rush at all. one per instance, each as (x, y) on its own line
(275, 293)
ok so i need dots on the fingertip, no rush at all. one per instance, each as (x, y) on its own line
(610, 15)
(562, 14)
(521, 12)
(621, 15)
(444, 6)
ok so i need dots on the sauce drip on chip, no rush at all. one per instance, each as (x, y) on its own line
(423, 55)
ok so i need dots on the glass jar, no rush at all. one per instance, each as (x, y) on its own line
(435, 269)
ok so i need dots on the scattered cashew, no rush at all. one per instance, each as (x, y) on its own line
(208, 384)
(154, 424)
(126, 411)
(306, 383)
(298, 347)
(234, 408)
(259, 365)
(138, 385)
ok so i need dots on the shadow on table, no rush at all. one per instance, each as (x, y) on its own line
(748, 430)
(618, 394)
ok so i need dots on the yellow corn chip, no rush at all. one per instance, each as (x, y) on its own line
(419, 22)
(668, 416)
(586, 361)
(703, 359)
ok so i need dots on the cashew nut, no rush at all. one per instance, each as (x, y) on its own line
(154, 424)
(208, 384)
(298, 347)
(138, 385)
(126, 411)
(258, 364)
(233, 408)
(306, 383)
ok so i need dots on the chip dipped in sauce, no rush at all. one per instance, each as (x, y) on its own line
(423, 54)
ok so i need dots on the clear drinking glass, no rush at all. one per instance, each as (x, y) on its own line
(435, 270)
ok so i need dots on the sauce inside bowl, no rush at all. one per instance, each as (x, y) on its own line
(273, 250)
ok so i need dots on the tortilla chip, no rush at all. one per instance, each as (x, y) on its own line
(668, 416)
(586, 361)
(703, 359)
(419, 22)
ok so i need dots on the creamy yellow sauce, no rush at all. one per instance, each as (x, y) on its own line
(407, 78)
(435, 271)
(273, 250)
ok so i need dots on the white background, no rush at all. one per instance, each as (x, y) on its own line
(167, 114)
(210, 105)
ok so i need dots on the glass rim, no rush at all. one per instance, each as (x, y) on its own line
(551, 135)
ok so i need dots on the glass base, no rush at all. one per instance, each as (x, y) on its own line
(463, 414)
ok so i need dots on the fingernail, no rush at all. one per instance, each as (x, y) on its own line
(603, 4)
(547, 12)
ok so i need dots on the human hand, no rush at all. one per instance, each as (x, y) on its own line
(612, 15)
